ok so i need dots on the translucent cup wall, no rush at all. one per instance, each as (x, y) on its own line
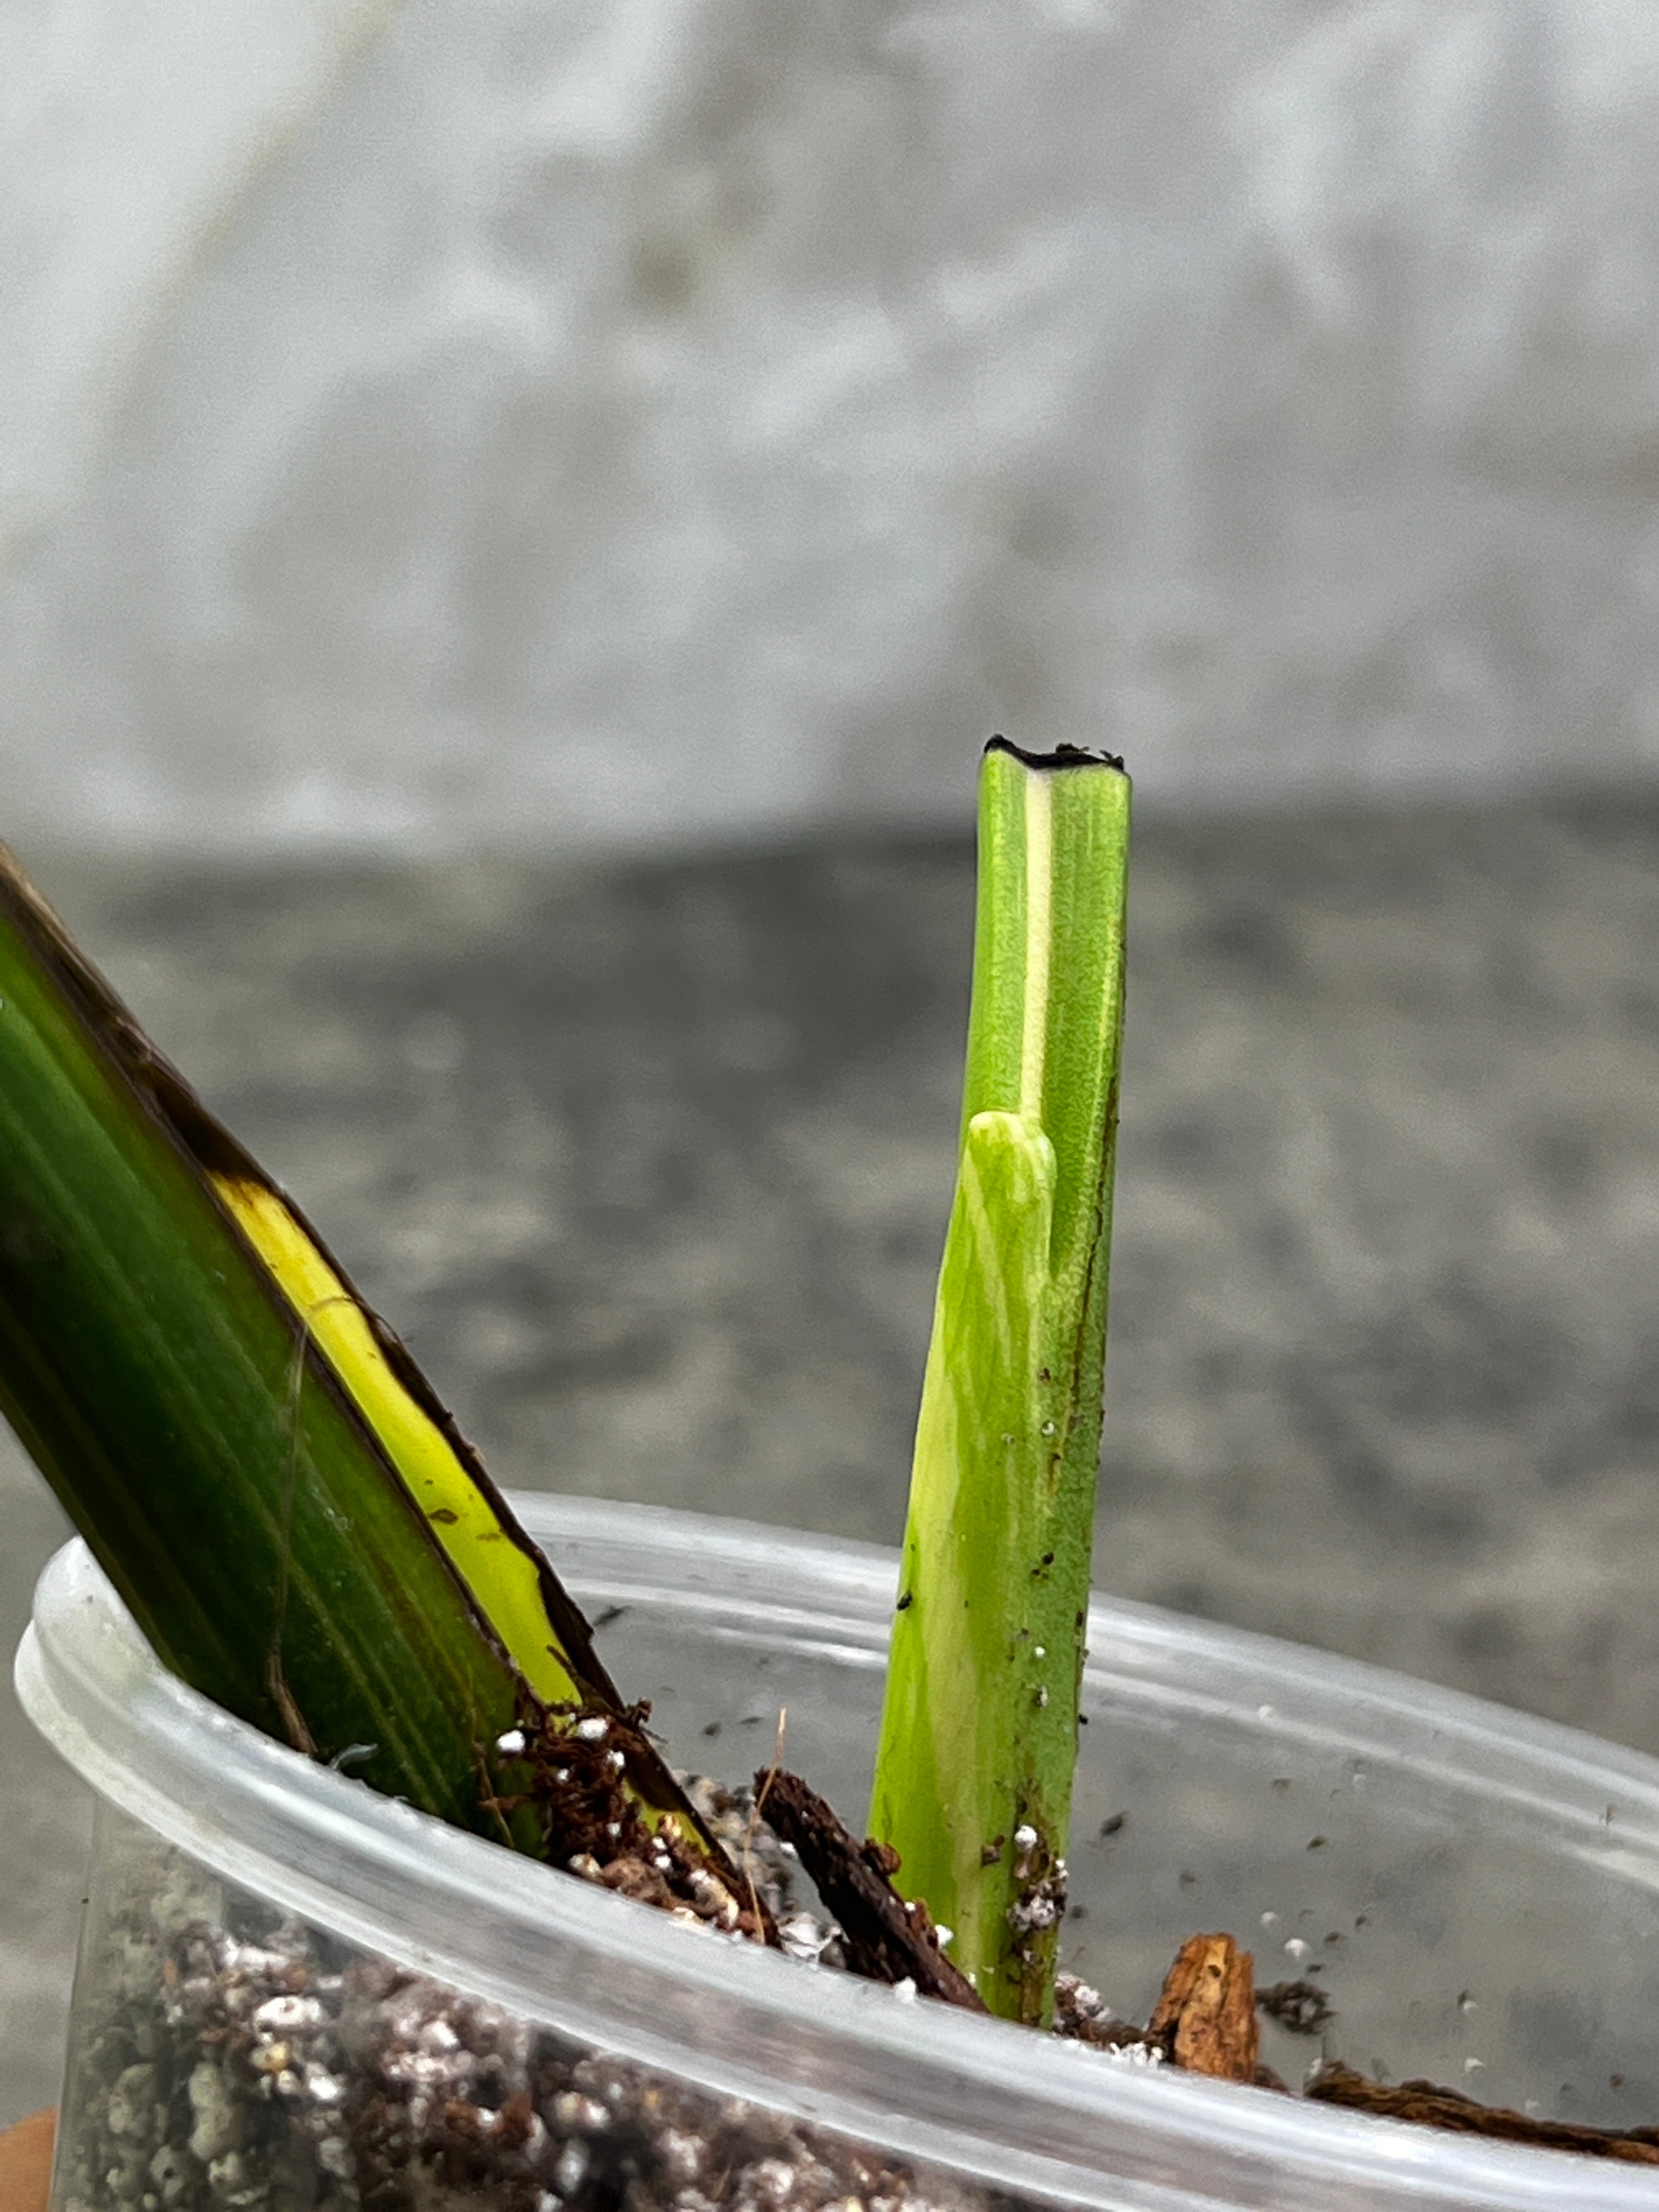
(293, 1993)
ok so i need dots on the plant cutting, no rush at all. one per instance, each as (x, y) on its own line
(303, 1536)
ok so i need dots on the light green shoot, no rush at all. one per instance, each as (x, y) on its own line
(979, 1735)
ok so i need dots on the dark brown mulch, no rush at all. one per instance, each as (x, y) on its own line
(576, 1759)
(885, 1938)
(1301, 2006)
(1431, 2107)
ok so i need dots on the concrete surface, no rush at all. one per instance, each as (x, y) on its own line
(651, 1165)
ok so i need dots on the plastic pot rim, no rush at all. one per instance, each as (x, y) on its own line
(989, 2100)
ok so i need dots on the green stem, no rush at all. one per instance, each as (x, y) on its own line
(979, 1733)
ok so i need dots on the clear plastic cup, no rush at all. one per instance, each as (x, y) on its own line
(1473, 1889)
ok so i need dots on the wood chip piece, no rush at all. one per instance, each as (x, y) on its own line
(1206, 2013)
(885, 1938)
(25, 2163)
(1430, 2106)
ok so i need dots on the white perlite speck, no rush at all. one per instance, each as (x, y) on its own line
(282, 2015)
(216, 2114)
(1134, 2054)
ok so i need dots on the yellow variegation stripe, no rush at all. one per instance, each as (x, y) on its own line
(1039, 884)
(503, 1579)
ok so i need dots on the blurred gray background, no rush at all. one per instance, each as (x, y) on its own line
(513, 523)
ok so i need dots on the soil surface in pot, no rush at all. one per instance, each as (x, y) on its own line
(1204, 2020)
(245, 2064)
